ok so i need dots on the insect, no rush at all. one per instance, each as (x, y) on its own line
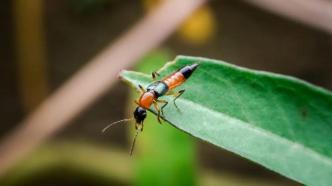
(150, 97)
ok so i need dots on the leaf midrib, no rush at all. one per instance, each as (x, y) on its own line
(264, 132)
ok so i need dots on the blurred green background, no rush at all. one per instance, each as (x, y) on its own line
(43, 43)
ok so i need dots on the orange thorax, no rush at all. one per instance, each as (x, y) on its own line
(146, 100)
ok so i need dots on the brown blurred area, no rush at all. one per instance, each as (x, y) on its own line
(75, 31)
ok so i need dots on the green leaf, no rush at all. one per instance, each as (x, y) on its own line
(280, 122)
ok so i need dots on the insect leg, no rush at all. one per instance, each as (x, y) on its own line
(139, 126)
(164, 105)
(134, 141)
(177, 95)
(158, 110)
(141, 88)
(154, 75)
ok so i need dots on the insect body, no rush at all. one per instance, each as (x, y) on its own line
(155, 90)
(152, 93)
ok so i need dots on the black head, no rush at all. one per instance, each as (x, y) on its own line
(139, 114)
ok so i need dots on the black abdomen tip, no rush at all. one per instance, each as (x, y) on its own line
(188, 70)
(194, 66)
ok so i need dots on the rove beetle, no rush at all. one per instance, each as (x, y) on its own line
(152, 93)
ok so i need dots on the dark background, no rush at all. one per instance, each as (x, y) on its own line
(76, 30)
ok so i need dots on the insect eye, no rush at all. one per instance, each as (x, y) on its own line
(143, 113)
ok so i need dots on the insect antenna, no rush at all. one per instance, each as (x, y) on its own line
(112, 124)
(133, 144)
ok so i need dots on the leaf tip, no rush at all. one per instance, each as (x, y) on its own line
(121, 74)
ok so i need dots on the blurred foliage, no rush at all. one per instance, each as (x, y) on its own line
(198, 29)
(82, 163)
(30, 52)
(67, 163)
(87, 7)
(164, 155)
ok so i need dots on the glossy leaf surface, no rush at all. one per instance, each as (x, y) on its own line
(280, 122)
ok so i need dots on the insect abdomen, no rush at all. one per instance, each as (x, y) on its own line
(174, 80)
(177, 78)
